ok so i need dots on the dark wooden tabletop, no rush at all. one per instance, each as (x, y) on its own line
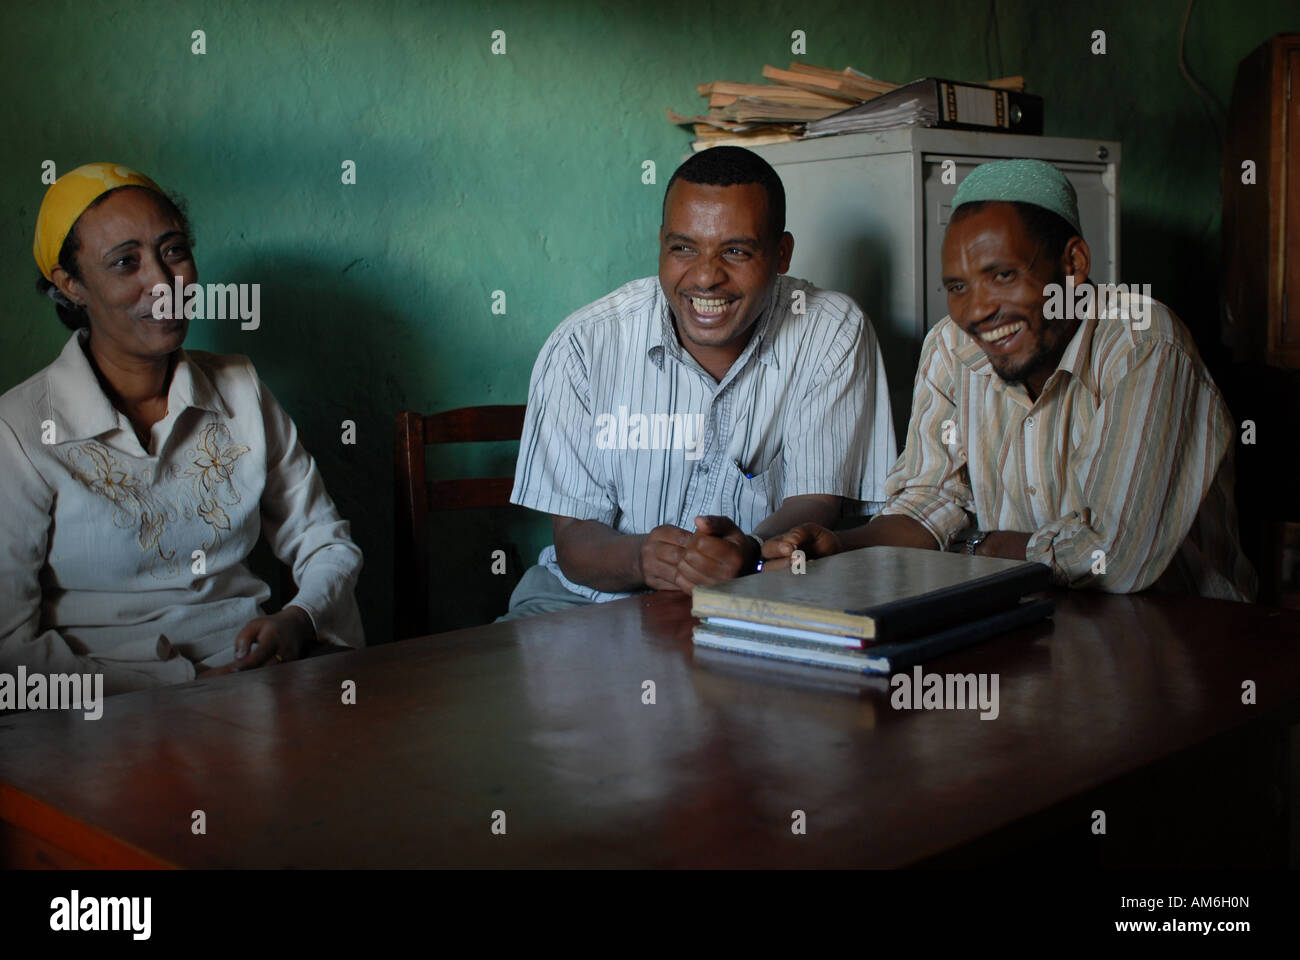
(543, 719)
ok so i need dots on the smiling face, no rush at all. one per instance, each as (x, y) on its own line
(995, 273)
(129, 242)
(718, 265)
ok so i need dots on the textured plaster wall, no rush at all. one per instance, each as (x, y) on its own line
(519, 173)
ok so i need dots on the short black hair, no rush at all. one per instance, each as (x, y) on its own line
(70, 315)
(735, 166)
(1050, 231)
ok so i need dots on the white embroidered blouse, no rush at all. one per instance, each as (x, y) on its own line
(129, 562)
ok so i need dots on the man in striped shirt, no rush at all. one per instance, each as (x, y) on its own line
(674, 420)
(1089, 439)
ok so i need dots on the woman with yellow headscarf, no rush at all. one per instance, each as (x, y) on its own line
(138, 476)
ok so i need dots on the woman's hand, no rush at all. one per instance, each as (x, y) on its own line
(813, 539)
(281, 636)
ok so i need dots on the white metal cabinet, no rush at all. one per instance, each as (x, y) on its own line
(868, 213)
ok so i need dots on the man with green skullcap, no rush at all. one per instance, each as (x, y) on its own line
(1088, 437)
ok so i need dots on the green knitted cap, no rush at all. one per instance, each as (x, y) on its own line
(1026, 181)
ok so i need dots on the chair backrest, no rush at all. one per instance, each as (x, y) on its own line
(414, 496)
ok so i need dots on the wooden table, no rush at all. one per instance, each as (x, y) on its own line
(543, 719)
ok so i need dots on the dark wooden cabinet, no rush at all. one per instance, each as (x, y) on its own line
(1261, 220)
(1261, 301)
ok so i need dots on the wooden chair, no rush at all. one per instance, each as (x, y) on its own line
(415, 496)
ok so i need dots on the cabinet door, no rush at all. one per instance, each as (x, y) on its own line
(1288, 329)
(1093, 182)
(854, 225)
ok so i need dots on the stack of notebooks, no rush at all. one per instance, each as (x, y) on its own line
(875, 610)
(806, 97)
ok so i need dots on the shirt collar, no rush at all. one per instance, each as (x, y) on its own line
(663, 333)
(81, 409)
(1077, 352)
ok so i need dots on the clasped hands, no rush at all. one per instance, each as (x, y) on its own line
(676, 559)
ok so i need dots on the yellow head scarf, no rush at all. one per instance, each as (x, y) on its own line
(68, 198)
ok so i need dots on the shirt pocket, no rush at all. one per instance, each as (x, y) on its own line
(751, 496)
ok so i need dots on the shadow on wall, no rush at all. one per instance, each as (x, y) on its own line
(334, 348)
(1181, 262)
(325, 348)
(872, 266)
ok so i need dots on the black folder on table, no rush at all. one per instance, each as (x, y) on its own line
(932, 102)
(874, 610)
(875, 594)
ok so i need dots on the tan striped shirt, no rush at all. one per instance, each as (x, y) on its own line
(1123, 463)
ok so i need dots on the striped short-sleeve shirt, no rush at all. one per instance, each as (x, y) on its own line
(1121, 468)
(625, 427)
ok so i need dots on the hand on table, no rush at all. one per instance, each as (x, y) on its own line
(271, 639)
(814, 540)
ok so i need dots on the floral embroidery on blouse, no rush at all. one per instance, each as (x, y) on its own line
(135, 506)
(210, 465)
(209, 468)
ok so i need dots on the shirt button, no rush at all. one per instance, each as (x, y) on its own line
(1029, 421)
(1031, 490)
(704, 468)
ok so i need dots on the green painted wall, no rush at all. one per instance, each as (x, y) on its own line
(519, 172)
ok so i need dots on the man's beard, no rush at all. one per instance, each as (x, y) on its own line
(1041, 356)
(1018, 372)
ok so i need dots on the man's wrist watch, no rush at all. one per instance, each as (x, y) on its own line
(758, 565)
(978, 537)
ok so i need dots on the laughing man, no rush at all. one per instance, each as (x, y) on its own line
(680, 418)
(1096, 445)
